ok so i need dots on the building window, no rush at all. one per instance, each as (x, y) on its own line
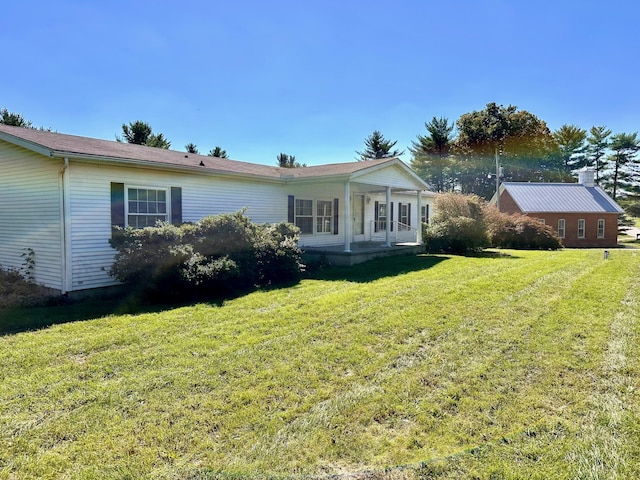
(146, 206)
(581, 228)
(424, 214)
(404, 217)
(324, 216)
(304, 216)
(542, 221)
(382, 217)
(601, 228)
(561, 228)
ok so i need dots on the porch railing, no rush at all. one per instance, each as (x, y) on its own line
(400, 232)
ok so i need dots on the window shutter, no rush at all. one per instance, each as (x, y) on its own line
(375, 216)
(409, 214)
(335, 216)
(291, 209)
(390, 219)
(399, 213)
(176, 205)
(117, 204)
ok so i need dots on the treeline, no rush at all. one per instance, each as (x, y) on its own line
(461, 156)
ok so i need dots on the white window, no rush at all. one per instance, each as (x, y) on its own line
(424, 214)
(542, 221)
(324, 216)
(146, 206)
(304, 216)
(601, 228)
(581, 228)
(561, 228)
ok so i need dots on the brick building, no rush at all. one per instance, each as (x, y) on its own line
(582, 214)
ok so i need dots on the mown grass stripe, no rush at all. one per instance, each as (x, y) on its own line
(470, 366)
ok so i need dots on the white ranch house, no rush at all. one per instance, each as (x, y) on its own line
(61, 194)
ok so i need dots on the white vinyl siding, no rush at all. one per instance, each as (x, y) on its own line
(90, 199)
(392, 177)
(30, 206)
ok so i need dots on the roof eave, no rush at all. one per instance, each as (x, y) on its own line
(163, 166)
(20, 142)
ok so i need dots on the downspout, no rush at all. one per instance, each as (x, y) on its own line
(65, 225)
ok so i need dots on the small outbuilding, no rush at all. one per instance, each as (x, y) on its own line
(582, 214)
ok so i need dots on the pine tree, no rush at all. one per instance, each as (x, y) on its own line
(376, 146)
(431, 154)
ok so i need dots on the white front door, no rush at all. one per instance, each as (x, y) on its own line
(358, 217)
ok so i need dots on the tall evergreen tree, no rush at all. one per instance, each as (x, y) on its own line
(191, 148)
(571, 145)
(218, 152)
(625, 146)
(598, 142)
(376, 146)
(140, 133)
(13, 119)
(289, 161)
(431, 154)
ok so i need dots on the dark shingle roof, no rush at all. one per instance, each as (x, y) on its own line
(560, 197)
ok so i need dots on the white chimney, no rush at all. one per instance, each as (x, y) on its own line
(586, 177)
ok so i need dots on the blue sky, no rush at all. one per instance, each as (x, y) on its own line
(313, 78)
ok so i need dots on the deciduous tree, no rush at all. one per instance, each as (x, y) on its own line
(523, 141)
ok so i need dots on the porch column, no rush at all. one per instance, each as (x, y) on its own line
(419, 218)
(388, 212)
(347, 217)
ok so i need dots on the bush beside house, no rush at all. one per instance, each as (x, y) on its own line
(212, 257)
(465, 223)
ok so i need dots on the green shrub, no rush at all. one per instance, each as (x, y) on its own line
(518, 231)
(212, 257)
(458, 225)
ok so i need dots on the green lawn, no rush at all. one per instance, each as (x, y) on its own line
(523, 365)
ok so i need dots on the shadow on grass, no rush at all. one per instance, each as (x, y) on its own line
(22, 319)
(378, 268)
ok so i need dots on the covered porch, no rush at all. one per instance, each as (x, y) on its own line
(361, 210)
